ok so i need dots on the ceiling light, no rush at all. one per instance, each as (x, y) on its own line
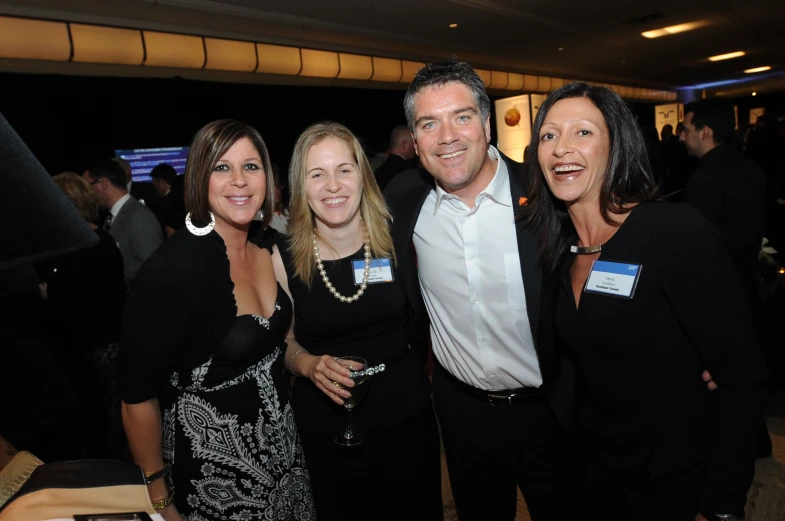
(453, 26)
(674, 29)
(754, 93)
(560, 49)
(728, 56)
(758, 69)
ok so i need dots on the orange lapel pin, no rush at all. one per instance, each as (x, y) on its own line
(523, 201)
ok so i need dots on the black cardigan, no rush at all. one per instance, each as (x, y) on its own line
(179, 309)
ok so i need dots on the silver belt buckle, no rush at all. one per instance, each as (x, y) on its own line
(492, 397)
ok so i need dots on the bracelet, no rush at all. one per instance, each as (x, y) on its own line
(291, 360)
(165, 502)
(158, 474)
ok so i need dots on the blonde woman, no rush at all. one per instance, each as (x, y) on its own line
(338, 219)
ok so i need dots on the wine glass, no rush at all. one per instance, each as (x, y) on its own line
(357, 371)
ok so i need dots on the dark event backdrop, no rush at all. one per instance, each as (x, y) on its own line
(69, 122)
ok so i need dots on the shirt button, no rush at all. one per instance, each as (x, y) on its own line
(476, 301)
(484, 339)
(471, 259)
(493, 377)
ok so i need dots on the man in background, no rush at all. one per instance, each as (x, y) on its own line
(133, 226)
(401, 156)
(727, 188)
(170, 187)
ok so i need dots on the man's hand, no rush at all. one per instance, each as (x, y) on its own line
(700, 517)
(712, 387)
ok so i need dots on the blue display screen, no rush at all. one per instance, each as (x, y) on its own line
(144, 159)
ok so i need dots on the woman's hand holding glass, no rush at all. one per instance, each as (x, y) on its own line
(326, 372)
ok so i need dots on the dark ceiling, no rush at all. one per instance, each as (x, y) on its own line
(597, 40)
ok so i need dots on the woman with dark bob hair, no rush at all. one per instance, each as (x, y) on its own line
(646, 300)
(205, 399)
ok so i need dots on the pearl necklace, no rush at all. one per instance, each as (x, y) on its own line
(326, 279)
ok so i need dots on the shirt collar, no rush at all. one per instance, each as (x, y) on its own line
(498, 189)
(119, 204)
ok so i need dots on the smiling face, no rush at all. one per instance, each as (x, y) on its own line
(237, 185)
(332, 184)
(452, 139)
(573, 150)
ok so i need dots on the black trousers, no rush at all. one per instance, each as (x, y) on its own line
(394, 475)
(492, 451)
(612, 497)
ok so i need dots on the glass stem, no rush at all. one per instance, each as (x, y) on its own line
(348, 434)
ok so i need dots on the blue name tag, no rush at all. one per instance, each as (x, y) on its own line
(613, 278)
(381, 271)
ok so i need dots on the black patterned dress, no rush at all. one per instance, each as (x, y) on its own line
(228, 427)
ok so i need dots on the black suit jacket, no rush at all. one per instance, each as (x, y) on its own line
(405, 197)
(146, 194)
(391, 167)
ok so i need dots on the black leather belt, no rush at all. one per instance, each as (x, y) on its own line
(504, 398)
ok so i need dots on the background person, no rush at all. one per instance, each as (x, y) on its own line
(132, 225)
(656, 442)
(169, 186)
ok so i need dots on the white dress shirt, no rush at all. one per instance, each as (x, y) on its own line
(471, 281)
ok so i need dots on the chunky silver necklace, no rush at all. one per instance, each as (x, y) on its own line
(585, 250)
(326, 279)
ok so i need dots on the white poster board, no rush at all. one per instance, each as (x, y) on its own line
(669, 114)
(513, 126)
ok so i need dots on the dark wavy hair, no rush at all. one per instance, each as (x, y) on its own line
(628, 178)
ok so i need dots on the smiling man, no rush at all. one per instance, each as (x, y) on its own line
(475, 273)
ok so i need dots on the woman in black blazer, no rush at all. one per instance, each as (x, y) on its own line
(647, 300)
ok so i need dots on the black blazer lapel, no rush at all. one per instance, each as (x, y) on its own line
(405, 206)
(405, 196)
(527, 247)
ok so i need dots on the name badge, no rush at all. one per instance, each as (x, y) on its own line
(613, 278)
(381, 271)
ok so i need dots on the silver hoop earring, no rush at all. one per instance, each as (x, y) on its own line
(199, 231)
(261, 215)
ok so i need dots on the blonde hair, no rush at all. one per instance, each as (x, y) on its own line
(80, 193)
(302, 223)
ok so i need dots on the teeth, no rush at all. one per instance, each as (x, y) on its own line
(337, 200)
(239, 198)
(568, 168)
(454, 154)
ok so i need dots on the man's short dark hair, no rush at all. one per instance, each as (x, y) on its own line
(111, 171)
(715, 113)
(164, 171)
(439, 74)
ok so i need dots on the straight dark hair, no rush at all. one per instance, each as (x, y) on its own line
(628, 179)
(210, 143)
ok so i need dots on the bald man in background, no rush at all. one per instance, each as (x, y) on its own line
(402, 156)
